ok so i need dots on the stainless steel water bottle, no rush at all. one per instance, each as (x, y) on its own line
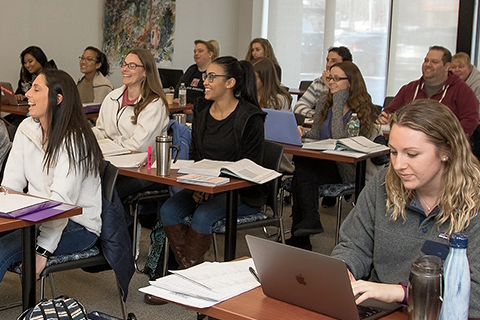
(164, 155)
(425, 288)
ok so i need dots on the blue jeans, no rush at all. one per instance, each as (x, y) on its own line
(204, 216)
(75, 238)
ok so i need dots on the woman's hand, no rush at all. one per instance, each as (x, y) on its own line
(384, 118)
(200, 197)
(20, 97)
(363, 290)
(40, 264)
(301, 130)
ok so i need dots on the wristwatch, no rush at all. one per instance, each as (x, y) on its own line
(43, 252)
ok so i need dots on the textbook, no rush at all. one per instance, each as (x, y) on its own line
(16, 205)
(243, 169)
(358, 144)
(110, 148)
(207, 181)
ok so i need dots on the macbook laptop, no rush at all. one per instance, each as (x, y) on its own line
(8, 95)
(281, 126)
(310, 280)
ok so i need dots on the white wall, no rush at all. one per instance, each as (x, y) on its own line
(64, 28)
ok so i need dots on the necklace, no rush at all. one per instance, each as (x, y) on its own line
(428, 207)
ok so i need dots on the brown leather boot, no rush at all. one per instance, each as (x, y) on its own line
(195, 248)
(177, 238)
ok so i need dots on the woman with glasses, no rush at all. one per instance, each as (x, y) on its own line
(269, 91)
(347, 94)
(94, 85)
(133, 115)
(228, 127)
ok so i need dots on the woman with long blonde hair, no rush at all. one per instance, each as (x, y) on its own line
(430, 190)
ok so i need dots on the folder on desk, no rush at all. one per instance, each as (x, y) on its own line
(15, 205)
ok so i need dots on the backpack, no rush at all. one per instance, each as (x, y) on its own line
(61, 308)
(182, 138)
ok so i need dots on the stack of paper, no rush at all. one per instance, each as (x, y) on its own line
(110, 148)
(202, 180)
(132, 160)
(206, 284)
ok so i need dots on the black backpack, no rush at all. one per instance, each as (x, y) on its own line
(61, 308)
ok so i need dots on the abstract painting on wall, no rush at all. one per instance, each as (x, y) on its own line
(130, 24)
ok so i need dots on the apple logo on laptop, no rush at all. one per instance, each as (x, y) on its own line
(300, 279)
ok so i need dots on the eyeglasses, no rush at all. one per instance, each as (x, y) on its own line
(84, 59)
(211, 76)
(131, 65)
(336, 78)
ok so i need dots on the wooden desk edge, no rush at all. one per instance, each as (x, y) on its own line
(7, 224)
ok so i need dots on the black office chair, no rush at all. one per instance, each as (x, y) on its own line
(170, 77)
(93, 260)
(303, 86)
(387, 101)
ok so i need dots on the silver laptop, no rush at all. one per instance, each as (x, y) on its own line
(8, 95)
(310, 280)
(281, 126)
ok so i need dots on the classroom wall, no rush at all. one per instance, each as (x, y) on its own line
(64, 28)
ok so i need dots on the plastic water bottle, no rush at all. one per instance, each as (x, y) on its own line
(182, 95)
(353, 126)
(456, 295)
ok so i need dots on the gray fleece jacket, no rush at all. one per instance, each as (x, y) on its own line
(376, 248)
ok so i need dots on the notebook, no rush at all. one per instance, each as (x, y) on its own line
(8, 95)
(310, 280)
(281, 126)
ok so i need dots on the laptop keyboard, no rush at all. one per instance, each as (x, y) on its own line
(365, 312)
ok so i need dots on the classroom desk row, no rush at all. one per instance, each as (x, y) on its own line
(28, 244)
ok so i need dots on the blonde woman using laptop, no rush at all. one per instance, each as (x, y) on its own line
(430, 190)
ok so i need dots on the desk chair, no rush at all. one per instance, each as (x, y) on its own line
(303, 86)
(93, 259)
(272, 157)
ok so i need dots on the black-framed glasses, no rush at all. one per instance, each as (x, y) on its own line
(336, 78)
(131, 65)
(86, 59)
(211, 76)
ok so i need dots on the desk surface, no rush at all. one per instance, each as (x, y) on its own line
(255, 305)
(171, 180)
(316, 154)
(13, 224)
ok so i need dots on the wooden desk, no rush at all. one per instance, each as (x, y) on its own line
(360, 163)
(255, 305)
(23, 111)
(230, 188)
(28, 243)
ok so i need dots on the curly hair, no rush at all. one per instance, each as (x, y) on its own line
(459, 201)
(359, 101)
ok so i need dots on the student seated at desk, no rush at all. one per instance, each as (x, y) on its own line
(229, 127)
(430, 190)
(133, 115)
(33, 61)
(56, 156)
(347, 94)
(94, 86)
(269, 91)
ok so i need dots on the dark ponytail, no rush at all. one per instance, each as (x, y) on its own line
(244, 75)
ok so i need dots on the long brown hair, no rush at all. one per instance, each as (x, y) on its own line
(265, 69)
(359, 101)
(267, 48)
(460, 199)
(151, 86)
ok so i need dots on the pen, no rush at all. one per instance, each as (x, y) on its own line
(149, 158)
(255, 275)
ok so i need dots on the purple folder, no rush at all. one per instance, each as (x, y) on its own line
(18, 214)
(46, 213)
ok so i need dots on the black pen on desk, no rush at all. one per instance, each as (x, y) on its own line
(254, 273)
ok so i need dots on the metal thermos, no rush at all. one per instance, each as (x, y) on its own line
(164, 155)
(180, 117)
(425, 289)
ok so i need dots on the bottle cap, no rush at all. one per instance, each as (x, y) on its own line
(458, 240)
(354, 114)
(164, 139)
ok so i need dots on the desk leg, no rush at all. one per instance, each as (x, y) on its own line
(28, 268)
(231, 225)
(361, 168)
